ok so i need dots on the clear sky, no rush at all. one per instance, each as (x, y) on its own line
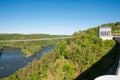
(56, 16)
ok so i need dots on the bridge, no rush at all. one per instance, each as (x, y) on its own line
(41, 39)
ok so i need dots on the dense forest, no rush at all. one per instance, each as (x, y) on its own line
(83, 57)
(30, 47)
(27, 36)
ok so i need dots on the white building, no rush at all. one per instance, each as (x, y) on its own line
(105, 32)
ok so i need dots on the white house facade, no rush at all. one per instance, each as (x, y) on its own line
(105, 32)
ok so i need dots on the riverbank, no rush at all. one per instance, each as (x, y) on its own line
(28, 48)
(30, 44)
(12, 59)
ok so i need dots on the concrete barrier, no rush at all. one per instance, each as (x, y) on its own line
(108, 77)
(118, 69)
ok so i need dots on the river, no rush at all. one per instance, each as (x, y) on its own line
(12, 59)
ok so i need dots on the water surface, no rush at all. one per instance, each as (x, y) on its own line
(12, 59)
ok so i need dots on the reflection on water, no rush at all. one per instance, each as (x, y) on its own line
(12, 59)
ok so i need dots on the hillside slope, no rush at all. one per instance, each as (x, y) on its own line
(72, 59)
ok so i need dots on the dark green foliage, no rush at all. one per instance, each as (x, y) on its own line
(67, 55)
(28, 48)
(117, 24)
(113, 25)
(27, 36)
(69, 72)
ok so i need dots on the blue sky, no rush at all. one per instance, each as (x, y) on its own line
(56, 16)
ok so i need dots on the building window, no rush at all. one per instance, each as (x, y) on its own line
(105, 33)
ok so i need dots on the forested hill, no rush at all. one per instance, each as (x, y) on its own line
(94, 31)
(27, 36)
(30, 47)
(83, 57)
(115, 26)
